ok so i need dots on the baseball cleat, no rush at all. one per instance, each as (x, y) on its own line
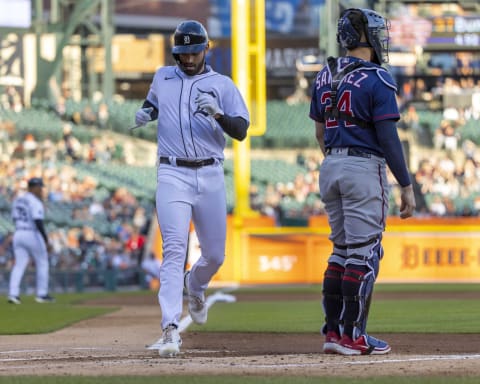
(171, 342)
(363, 345)
(331, 342)
(45, 299)
(14, 300)
(196, 305)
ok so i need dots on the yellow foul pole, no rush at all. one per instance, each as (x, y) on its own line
(249, 74)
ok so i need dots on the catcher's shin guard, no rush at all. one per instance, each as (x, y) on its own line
(361, 271)
(357, 287)
(332, 296)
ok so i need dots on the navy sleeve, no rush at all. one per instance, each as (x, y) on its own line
(235, 127)
(392, 147)
(154, 113)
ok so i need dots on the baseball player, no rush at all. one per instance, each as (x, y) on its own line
(355, 113)
(30, 240)
(194, 107)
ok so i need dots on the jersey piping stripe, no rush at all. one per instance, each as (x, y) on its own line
(191, 114)
(180, 119)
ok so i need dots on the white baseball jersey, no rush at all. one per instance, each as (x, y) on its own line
(27, 208)
(183, 130)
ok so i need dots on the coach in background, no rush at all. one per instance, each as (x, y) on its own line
(355, 113)
(30, 240)
(194, 107)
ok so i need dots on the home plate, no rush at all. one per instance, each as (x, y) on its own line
(187, 320)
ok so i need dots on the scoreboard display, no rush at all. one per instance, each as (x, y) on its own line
(454, 33)
(435, 33)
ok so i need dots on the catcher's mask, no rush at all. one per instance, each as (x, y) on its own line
(375, 27)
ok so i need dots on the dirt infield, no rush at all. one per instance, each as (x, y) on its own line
(115, 344)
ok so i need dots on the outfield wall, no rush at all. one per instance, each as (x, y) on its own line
(416, 250)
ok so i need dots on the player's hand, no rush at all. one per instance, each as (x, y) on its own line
(207, 103)
(142, 116)
(407, 205)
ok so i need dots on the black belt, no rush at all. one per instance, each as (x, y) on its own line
(352, 151)
(188, 163)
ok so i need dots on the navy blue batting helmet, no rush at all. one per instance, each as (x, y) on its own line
(35, 182)
(375, 28)
(190, 37)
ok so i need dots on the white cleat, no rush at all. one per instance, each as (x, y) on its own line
(171, 342)
(45, 299)
(14, 300)
(196, 305)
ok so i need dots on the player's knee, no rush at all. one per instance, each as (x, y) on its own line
(357, 284)
(214, 254)
(353, 278)
(216, 260)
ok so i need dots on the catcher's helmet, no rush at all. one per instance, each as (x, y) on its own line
(190, 37)
(375, 28)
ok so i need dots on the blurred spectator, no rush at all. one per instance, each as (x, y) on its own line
(135, 244)
(446, 136)
(103, 116)
(140, 220)
(88, 116)
(96, 208)
(88, 241)
(437, 206)
(451, 113)
(72, 145)
(60, 108)
(92, 150)
(12, 99)
(255, 198)
(410, 119)
(6, 250)
(29, 145)
(151, 267)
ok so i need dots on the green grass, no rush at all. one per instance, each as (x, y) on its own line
(33, 318)
(379, 287)
(279, 289)
(431, 287)
(425, 316)
(264, 316)
(398, 316)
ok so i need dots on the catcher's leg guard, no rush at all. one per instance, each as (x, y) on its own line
(332, 289)
(332, 297)
(357, 286)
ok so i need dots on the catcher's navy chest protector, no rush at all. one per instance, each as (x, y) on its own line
(337, 77)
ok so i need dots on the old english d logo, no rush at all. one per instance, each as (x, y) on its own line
(186, 39)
